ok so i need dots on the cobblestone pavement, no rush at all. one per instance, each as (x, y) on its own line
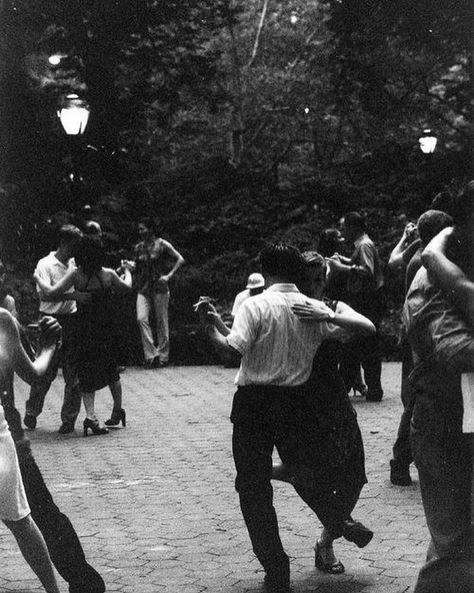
(155, 507)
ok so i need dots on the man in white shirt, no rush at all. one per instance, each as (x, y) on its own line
(277, 350)
(255, 285)
(52, 268)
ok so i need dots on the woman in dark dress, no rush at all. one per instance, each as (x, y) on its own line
(328, 470)
(97, 338)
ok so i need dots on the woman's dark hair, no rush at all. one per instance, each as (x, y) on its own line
(315, 266)
(90, 254)
(150, 223)
(283, 261)
(329, 242)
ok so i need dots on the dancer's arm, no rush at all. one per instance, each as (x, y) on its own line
(448, 275)
(178, 262)
(121, 284)
(344, 316)
(216, 330)
(405, 249)
(59, 288)
(18, 360)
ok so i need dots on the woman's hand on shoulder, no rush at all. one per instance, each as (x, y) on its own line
(313, 310)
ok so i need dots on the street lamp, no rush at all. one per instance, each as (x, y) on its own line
(74, 115)
(427, 142)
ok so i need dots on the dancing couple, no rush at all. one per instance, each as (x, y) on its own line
(281, 402)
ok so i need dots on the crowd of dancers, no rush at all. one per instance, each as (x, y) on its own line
(304, 334)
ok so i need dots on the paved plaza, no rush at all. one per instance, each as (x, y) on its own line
(155, 507)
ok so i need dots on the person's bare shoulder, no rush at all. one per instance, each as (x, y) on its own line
(8, 326)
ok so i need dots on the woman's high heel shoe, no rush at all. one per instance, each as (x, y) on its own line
(94, 426)
(329, 567)
(117, 417)
(360, 390)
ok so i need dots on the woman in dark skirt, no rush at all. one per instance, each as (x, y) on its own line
(97, 350)
(323, 454)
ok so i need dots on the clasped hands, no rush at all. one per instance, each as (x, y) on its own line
(50, 331)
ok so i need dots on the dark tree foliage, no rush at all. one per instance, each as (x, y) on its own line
(404, 62)
(135, 61)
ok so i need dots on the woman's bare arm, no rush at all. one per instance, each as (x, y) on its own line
(18, 361)
(344, 316)
(121, 284)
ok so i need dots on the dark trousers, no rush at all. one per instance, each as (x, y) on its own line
(252, 447)
(60, 536)
(332, 507)
(260, 415)
(402, 448)
(365, 350)
(66, 355)
(444, 459)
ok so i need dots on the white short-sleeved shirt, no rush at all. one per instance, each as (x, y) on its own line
(277, 347)
(51, 270)
(239, 299)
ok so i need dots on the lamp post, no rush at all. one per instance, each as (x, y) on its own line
(74, 115)
(427, 142)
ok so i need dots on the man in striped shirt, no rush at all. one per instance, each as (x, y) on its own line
(277, 350)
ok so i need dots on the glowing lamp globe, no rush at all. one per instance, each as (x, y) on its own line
(427, 142)
(74, 115)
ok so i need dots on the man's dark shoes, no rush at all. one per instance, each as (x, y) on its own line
(66, 428)
(399, 473)
(277, 581)
(357, 533)
(89, 582)
(275, 585)
(374, 396)
(29, 421)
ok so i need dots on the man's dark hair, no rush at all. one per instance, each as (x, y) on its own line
(355, 220)
(431, 223)
(283, 261)
(90, 254)
(68, 233)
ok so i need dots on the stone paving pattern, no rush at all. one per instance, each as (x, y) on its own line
(155, 507)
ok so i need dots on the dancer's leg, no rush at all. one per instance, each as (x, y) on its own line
(116, 391)
(89, 404)
(34, 550)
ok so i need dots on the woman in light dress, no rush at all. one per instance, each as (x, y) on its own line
(14, 508)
